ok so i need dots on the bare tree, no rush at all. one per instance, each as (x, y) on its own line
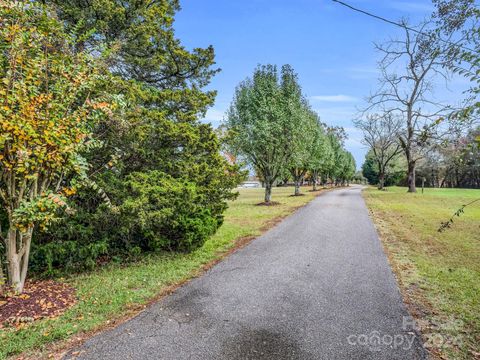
(380, 133)
(409, 68)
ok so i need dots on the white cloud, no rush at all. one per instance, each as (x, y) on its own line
(334, 98)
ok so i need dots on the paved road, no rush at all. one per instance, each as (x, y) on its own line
(317, 286)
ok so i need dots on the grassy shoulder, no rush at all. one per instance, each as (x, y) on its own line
(114, 293)
(438, 273)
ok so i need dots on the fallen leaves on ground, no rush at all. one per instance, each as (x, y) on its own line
(40, 299)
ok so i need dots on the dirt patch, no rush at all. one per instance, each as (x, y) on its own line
(40, 299)
(271, 203)
(293, 195)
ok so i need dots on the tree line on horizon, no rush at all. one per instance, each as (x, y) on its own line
(453, 165)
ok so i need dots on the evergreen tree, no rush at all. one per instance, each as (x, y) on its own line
(155, 141)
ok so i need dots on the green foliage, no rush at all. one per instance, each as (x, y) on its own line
(370, 169)
(273, 129)
(341, 167)
(307, 151)
(264, 118)
(40, 211)
(152, 210)
(348, 167)
(321, 152)
(394, 175)
(154, 178)
(461, 18)
(161, 212)
(67, 255)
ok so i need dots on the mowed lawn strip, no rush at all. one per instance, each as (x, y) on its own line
(439, 273)
(115, 291)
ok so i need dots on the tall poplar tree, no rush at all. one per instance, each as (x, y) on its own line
(321, 156)
(264, 118)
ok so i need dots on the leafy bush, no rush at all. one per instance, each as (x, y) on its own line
(73, 243)
(158, 212)
(395, 172)
(69, 255)
(161, 212)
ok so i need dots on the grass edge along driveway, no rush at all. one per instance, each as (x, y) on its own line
(113, 294)
(438, 273)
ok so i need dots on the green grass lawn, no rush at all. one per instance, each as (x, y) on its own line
(116, 292)
(439, 273)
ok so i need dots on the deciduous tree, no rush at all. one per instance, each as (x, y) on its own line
(47, 115)
(321, 156)
(302, 151)
(408, 68)
(260, 118)
(380, 134)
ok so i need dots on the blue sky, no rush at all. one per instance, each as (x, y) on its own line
(329, 46)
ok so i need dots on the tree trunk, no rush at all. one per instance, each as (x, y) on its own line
(314, 179)
(297, 175)
(18, 252)
(297, 187)
(268, 191)
(411, 177)
(2, 277)
(381, 180)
